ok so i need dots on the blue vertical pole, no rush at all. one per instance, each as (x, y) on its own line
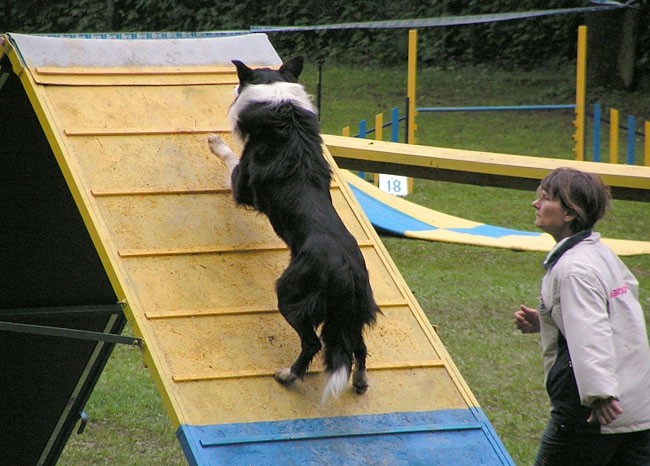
(362, 135)
(394, 128)
(597, 132)
(406, 125)
(631, 127)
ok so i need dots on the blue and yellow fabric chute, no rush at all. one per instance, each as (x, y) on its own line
(398, 216)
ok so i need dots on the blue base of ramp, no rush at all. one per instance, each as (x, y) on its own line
(456, 436)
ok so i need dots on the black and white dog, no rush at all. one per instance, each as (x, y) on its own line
(283, 174)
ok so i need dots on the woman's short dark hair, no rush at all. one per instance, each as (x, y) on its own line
(582, 194)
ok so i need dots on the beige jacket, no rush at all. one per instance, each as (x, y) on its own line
(592, 298)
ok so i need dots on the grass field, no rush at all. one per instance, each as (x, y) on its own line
(469, 292)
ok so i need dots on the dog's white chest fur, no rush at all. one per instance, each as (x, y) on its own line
(273, 95)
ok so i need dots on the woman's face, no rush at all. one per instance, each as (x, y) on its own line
(551, 217)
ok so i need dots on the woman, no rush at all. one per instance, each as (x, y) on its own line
(594, 339)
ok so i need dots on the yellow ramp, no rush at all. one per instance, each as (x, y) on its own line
(127, 122)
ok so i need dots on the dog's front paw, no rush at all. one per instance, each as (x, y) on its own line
(285, 376)
(217, 146)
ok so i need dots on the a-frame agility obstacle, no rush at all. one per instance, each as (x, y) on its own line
(114, 207)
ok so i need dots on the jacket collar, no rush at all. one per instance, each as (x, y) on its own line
(563, 246)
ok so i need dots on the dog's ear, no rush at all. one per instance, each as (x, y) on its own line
(292, 68)
(244, 73)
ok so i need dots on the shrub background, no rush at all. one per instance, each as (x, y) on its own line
(514, 43)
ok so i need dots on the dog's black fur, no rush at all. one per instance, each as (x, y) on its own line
(283, 174)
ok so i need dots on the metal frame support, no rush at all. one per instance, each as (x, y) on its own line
(83, 418)
(69, 333)
(66, 332)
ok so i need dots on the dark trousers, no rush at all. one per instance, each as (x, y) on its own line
(563, 447)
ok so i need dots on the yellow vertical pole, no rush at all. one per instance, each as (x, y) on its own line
(646, 144)
(346, 132)
(613, 135)
(411, 80)
(379, 127)
(581, 73)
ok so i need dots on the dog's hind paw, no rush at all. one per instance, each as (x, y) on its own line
(285, 376)
(360, 382)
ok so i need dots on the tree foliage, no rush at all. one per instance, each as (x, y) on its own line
(523, 42)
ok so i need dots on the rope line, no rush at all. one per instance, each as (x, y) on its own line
(444, 20)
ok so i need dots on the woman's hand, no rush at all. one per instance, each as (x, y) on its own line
(527, 319)
(604, 411)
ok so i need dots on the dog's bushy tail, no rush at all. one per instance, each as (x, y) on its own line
(338, 365)
(342, 335)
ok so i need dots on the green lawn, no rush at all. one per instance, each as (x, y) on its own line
(469, 292)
